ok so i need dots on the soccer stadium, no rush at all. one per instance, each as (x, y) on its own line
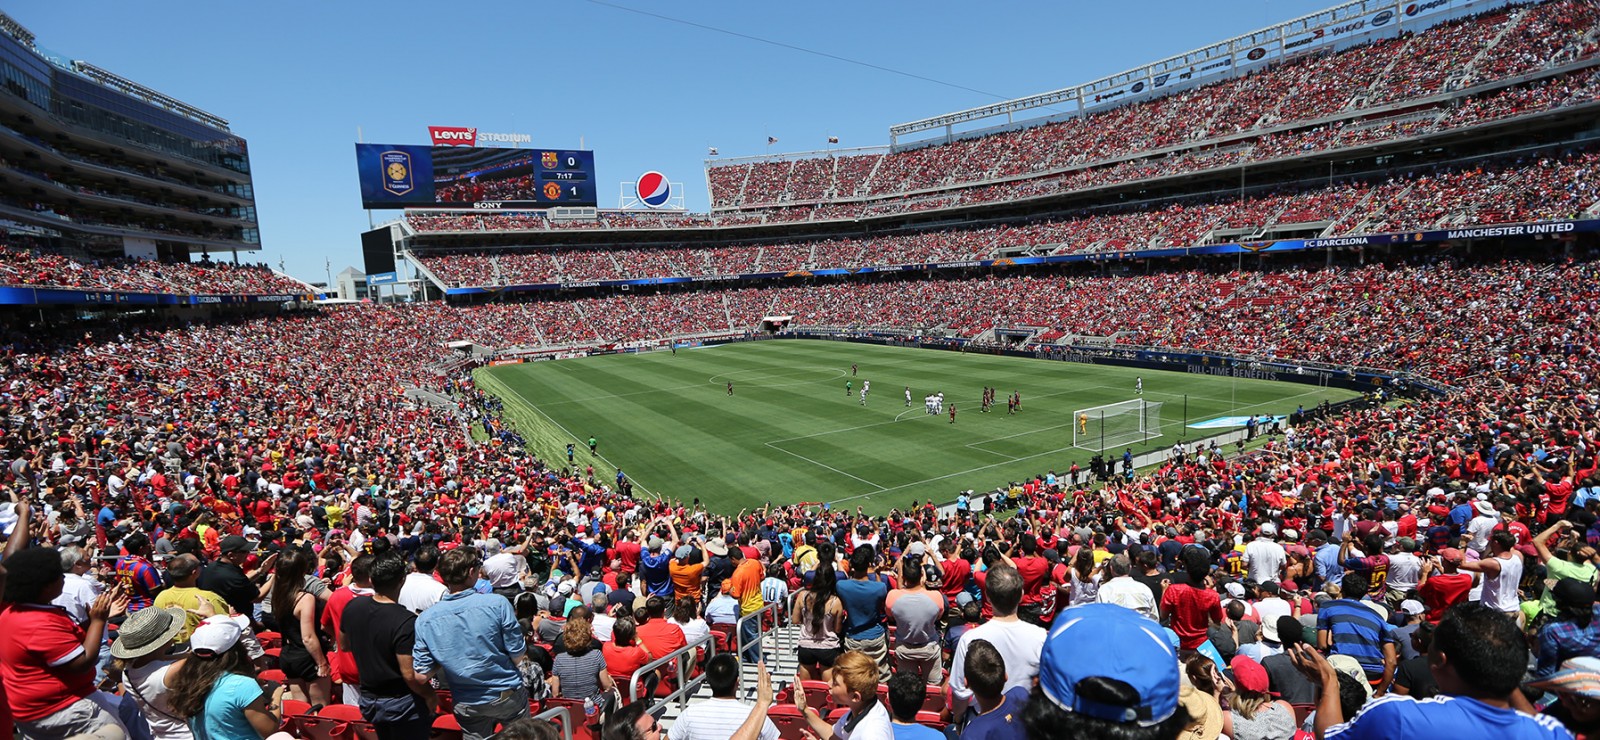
(1248, 393)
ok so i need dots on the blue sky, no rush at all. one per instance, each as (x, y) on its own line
(298, 78)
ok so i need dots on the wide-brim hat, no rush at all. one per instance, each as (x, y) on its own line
(148, 630)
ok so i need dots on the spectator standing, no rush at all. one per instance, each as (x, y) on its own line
(1018, 642)
(1502, 572)
(1441, 585)
(746, 586)
(1264, 557)
(342, 664)
(227, 578)
(916, 612)
(380, 635)
(1035, 572)
(1348, 626)
(864, 599)
(298, 614)
(421, 589)
(1124, 591)
(1190, 608)
(820, 613)
(475, 641)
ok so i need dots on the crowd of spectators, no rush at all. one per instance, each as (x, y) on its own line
(1521, 100)
(1358, 562)
(37, 267)
(1522, 190)
(1281, 102)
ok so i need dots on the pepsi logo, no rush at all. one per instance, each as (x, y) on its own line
(653, 189)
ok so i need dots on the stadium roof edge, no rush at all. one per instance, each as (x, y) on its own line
(1260, 46)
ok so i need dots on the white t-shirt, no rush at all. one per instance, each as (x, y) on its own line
(1265, 560)
(601, 626)
(693, 630)
(874, 725)
(1019, 643)
(1405, 570)
(502, 570)
(420, 591)
(716, 719)
(151, 696)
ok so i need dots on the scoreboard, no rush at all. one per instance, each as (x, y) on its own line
(411, 176)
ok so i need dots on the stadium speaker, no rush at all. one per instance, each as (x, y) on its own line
(377, 251)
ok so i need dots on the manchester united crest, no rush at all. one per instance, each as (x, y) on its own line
(552, 191)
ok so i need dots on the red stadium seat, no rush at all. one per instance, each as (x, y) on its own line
(791, 723)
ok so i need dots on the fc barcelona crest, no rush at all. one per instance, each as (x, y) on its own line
(1255, 246)
(548, 159)
(397, 172)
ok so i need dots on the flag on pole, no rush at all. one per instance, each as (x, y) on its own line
(711, 151)
(833, 139)
(772, 140)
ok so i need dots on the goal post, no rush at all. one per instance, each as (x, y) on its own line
(1100, 428)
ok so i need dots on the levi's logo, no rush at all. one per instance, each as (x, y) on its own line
(453, 135)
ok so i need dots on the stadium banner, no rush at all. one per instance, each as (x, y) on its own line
(383, 278)
(1538, 230)
(1177, 361)
(482, 178)
(1428, 7)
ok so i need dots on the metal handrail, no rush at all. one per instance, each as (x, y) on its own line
(686, 688)
(777, 610)
(562, 716)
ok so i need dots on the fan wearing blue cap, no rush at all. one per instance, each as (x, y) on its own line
(1106, 672)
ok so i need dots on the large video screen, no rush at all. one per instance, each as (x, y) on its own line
(411, 176)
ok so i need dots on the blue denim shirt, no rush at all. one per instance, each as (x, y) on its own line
(472, 638)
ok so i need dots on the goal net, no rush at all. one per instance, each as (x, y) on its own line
(1115, 425)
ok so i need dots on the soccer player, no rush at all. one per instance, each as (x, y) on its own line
(1138, 386)
(908, 396)
(952, 413)
(594, 445)
(866, 387)
(848, 387)
(863, 395)
(730, 387)
(1083, 423)
(852, 369)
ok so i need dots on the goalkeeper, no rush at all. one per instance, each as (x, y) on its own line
(1083, 423)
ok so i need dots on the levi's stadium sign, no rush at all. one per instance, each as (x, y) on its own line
(471, 136)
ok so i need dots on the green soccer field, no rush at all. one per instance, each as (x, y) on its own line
(789, 433)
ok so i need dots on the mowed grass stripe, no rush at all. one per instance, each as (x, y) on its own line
(668, 421)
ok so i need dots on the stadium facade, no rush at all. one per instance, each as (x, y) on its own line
(109, 168)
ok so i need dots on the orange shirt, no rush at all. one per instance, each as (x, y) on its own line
(745, 585)
(686, 579)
